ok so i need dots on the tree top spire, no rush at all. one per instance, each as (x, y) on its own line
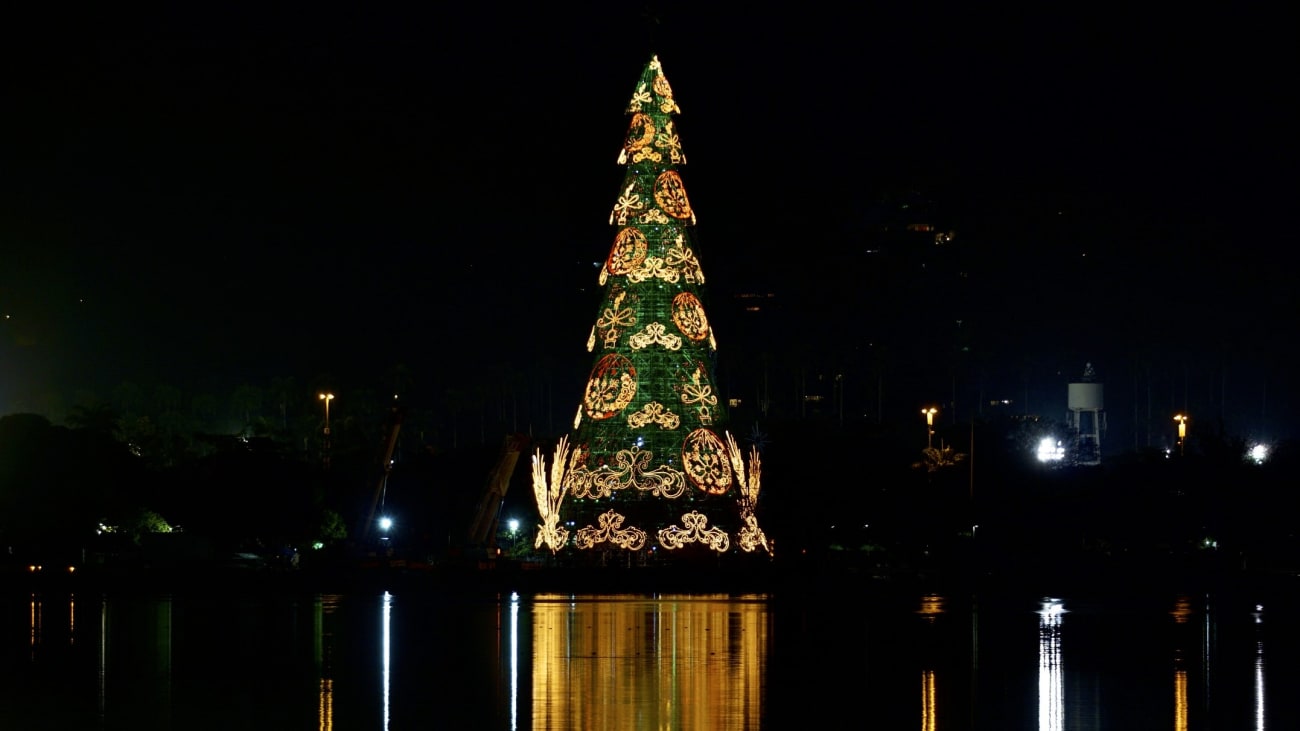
(653, 93)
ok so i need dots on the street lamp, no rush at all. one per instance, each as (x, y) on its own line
(327, 398)
(929, 426)
(1182, 432)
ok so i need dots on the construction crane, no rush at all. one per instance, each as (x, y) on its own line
(393, 428)
(483, 524)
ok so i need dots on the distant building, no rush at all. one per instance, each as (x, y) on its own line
(1087, 416)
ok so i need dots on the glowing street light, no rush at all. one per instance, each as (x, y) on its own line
(929, 425)
(327, 398)
(1182, 431)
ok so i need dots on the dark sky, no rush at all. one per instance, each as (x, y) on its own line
(207, 197)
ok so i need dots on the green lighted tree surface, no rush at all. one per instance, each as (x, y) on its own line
(650, 441)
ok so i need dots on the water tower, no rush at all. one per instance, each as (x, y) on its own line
(1087, 417)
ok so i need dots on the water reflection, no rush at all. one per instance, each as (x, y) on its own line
(514, 661)
(1051, 680)
(135, 635)
(1181, 613)
(324, 608)
(385, 641)
(43, 609)
(648, 662)
(931, 608)
(1259, 671)
(35, 623)
(378, 660)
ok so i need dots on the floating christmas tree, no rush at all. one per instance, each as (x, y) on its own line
(650, 466)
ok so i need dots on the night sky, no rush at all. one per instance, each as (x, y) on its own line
(208, 198)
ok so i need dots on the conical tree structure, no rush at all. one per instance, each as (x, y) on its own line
(650, 468)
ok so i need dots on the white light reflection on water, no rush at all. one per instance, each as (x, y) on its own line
(1051, 681)
(387, 613)
(1259, 673)
(1207, 644)
(514, 661)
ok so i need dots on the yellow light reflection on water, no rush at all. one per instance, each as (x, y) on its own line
(929, 713)
(325, 707)
(622, 662)
(323, 651)
(1180, 700)
(35, 622)
(1182, 613)
(931, 607)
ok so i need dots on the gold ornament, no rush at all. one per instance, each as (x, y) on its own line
(627, 253)
(688, 316)
(549, 495)
(654, 215)
(670, 194)
(611, 530)
(694, 531)
(661, 86)
(614, 320)
(629, 471)
(628, 204)
(667, 140)
(654, 333)
(681, 258)
(640, 132)
(750, 537)
(611, 387)
(653, 268)
(654, 413)
(639, 97)
(698, 392)
(705, 461)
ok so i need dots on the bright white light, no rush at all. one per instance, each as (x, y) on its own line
(1259, 453)
(513, 525)
(385, 523)
(1050, 450)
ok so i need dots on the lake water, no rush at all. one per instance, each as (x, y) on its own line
(859, 659)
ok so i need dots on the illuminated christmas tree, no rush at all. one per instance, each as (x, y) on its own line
(650, 468)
